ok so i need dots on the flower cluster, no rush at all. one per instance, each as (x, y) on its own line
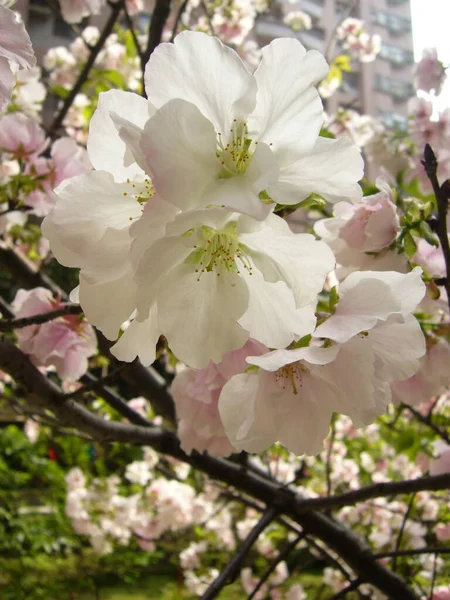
(176, 229)
(354, 37)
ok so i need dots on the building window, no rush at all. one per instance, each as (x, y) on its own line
(395, 24)
(398, 57)
(393, 120)
(397, 89)
(350, 82)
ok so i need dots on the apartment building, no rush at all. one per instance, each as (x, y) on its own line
(381, 88)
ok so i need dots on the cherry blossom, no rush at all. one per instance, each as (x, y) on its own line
(430, 72)
(21, 136)
(239, 137)
(15, 51)
(64, 343)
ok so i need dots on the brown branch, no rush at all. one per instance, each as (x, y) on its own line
(160, 15)
(116, 7)
(402, 530)
(414, 552)
(354, 551)
(134, 36)
(63, 311)
(178, 18)
(232, 569)
(441, 193)
(428, 421)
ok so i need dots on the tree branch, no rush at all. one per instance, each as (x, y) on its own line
(355, 552)
(63, 311)
(232, 569)
(95, 50)
(160, 15)
(441, 193)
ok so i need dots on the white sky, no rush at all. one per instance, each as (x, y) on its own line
(431, 29)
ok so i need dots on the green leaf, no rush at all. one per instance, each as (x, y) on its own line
(334, 298)
(409, 244)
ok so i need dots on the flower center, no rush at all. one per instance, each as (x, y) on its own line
(291, 375)
(237, 154)
(218, 250)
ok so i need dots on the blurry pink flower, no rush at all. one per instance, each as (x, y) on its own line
(196, 394)
(442, 532)
(441, 464)
(430, 258)
(441, 593)
(432, 378)
(67, 160)
(64, 343)
(73, 11)
(21, 136)
(15, 49)
(430, 72)
(140, 405)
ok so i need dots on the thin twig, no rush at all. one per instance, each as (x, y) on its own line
(134, 36)
(232, 569)
(95, 51)
(180, 13)
(414, 552)
(63, 311)
(427, 421)
(160, 15)
(433, 576)
(402, 529)
(281, 556)
(441, 193)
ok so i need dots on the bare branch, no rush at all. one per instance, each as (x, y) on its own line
(160, 15)
(442, 197)
(232, 569)
(354, 551)
(63, 311)
(95, 50)
(178, 18)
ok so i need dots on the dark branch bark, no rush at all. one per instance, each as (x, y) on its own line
(63, 311)
(178, 18)
(441, 193)
(159, 18)
(355, 552)
(232, 569)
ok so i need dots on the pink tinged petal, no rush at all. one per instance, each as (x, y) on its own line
(199, 315)
(398, 344)
(7, 82)
(289, 112)
(200, 69)
(179, 145)
(256, 412)
(297, 259)
(108, 304)
(69, 159)
(107, 150)
(199, 425)
(272, 317)
(15, 44)
(139, 339)
(87, 206)
(332, 169)
(235, 362)
(21, 135)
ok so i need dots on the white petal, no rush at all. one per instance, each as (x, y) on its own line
(139, 339)
(199, 315)
(332, 169)
(399, 344)
(107, 151)
(272, 317)
(108, 305)
(179, 145)
(6, 83)
(298, 259)
(200, 69)
(87, 206)
(272, 361)
(15, 43)
(288, 111)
